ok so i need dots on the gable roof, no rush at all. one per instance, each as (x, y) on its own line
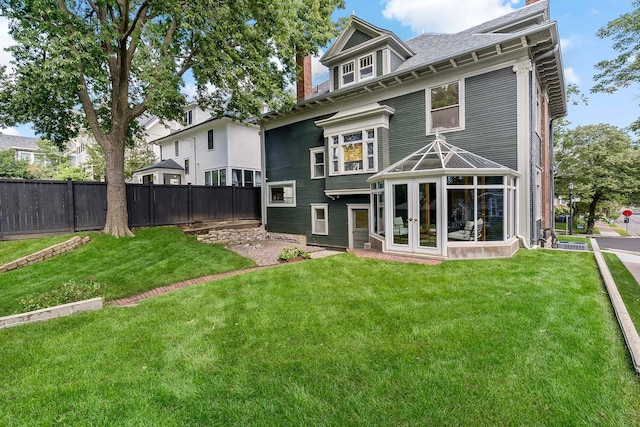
(8, 142)
(432, 53)
(360, 35)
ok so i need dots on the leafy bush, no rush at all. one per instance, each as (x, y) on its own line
(292, 253)
(65, 293)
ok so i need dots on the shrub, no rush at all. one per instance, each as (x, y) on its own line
(65, 293)
(291, 253)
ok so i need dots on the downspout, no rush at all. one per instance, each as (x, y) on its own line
(532, 97)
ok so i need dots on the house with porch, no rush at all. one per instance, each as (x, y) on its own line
(206, 150)
(439, 145)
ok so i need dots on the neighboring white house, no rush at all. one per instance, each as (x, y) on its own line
(208, 151)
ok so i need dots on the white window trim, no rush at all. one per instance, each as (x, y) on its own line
(373, 67)
(281, 184)
(341, 144)
(357, 70)
(342, 74)
(312, 153)
(325, 207)
(461, 107)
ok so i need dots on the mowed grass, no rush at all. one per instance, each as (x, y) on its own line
(10, 250)
(338, 341)
(627, 286)
(126, 266)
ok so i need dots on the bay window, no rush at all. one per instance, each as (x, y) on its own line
(354, 152)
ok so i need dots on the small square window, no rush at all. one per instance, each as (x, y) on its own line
(281, 194)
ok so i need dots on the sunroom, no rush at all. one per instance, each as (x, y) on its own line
(444, 201)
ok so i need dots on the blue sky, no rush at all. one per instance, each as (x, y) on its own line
(578, 21)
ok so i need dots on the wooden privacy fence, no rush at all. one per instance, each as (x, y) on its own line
(31, 207)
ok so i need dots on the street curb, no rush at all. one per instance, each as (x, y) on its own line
(51, 312)
(629, 331)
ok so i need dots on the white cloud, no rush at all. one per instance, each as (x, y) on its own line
(5, 41)
(445, 15)
(10, 131)
(566, 44)
(571, 76)
(319, 73)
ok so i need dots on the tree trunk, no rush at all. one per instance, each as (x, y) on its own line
(117, 223)
(592, 214)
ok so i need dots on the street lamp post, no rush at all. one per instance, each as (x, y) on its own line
(570, 208)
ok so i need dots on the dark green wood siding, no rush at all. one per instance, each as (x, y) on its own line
(379, 63)
(490, 129)
(356, 38)
(287, 158)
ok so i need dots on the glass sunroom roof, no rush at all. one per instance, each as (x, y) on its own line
(441, 158)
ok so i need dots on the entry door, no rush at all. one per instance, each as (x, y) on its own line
(415, 217)
(358, 226)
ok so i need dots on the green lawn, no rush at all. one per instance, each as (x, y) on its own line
(627, 286)
(127, 266)
(11, 250)
(530, 340)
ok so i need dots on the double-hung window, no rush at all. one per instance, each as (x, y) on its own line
(446, 107)
(317, 162)
(366, 67)
(348, 73)
(353, 152)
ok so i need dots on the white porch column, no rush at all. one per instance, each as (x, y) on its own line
(523, 85)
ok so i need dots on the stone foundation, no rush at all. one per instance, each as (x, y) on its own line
(229, 237)
(44, 254)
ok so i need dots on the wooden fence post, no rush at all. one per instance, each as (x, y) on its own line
(189, 204)
(152, 206)
(72, 206)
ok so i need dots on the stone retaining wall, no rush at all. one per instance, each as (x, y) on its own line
(242, 236)
(44, 254)
(51, 312)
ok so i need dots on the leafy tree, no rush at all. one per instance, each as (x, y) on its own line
(118, 59)
(624, 70)
(68, 171)
(601, 161)
(10, 167)
(135, 157)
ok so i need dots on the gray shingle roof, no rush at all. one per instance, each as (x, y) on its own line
(8, 142)
(165, 164)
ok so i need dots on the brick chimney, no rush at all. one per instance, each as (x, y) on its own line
(529, 2)
(303, 83)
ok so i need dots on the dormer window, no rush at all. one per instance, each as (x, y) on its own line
(348, 74)
(188, 117)
(366, 67)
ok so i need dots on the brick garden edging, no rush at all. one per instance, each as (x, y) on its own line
(51, 312)
(44, 254)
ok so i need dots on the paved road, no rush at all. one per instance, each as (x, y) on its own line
(631, 244)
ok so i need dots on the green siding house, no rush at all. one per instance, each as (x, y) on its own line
(436, 146)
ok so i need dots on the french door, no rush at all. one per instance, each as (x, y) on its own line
(414, 216)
